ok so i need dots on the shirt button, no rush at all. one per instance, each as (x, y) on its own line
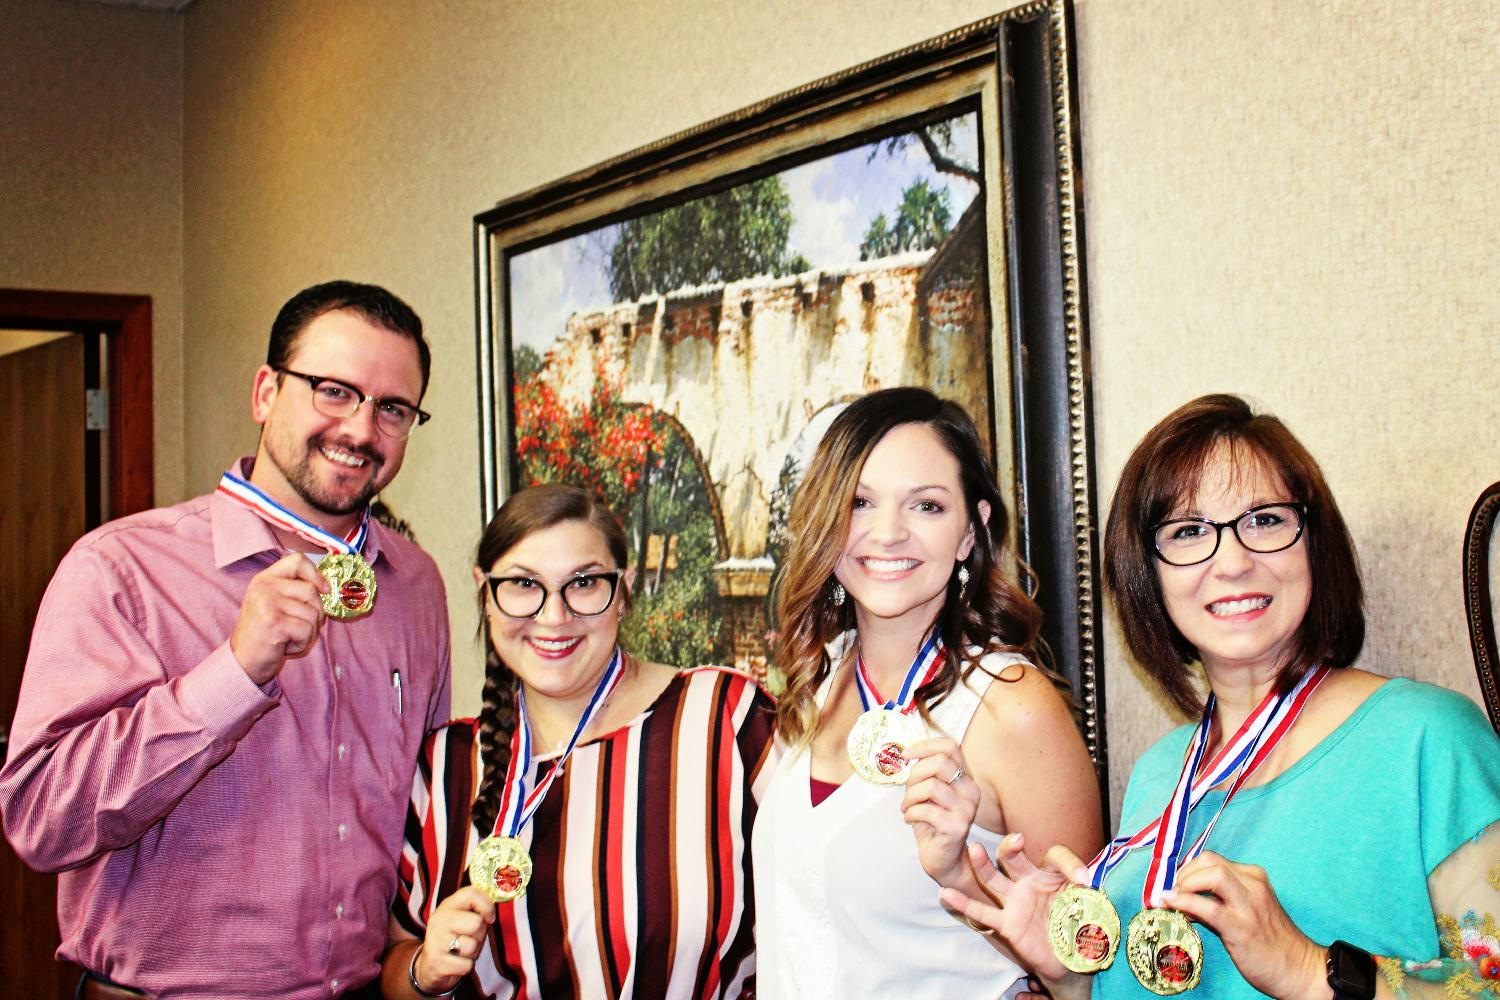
(343, 831)
(342, 750)
(338, 672)
(338, 911)
(334, 986)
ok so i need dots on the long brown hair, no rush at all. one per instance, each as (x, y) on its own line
(524, 514)
(1164, 471)
(991, 613)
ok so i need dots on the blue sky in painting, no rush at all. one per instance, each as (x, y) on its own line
(832, 202)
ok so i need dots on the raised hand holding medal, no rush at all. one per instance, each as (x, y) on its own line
(351, 581)
(501, 865)
(878, 744)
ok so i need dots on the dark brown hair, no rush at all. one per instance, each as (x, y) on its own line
(371, 303)
(1165, 471)
(524, 514)
(991, 613)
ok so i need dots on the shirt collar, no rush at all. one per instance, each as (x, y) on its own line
(239, 532)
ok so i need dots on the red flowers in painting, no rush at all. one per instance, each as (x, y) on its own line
(602, 444)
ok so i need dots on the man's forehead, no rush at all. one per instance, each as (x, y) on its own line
(342, 336)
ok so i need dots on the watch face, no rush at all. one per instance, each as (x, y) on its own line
(1351, 971)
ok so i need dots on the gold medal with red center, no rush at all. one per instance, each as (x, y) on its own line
(501, 868)
(1164, 951)
(879, 742)
(1083, 928)
(350, 579)
(351, 582)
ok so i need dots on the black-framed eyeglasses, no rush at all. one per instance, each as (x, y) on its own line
(1270, 527)
(584, 595)
(332, 398)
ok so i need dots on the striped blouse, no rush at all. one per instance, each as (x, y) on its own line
(641, 881)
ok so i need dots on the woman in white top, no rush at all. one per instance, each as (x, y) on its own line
(894, 603)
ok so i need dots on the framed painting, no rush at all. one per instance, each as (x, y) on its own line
(676, 327)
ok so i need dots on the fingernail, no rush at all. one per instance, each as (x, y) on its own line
(1080, 874)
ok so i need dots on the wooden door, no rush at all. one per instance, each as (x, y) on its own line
(43, 498)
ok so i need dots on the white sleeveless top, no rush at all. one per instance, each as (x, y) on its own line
(843, 907)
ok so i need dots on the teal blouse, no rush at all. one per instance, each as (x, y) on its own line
(1347, 835)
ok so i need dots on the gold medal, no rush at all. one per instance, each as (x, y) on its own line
(878, 745)
(1083, 928)
(501, 868)
(1164, 951)
(352, 582)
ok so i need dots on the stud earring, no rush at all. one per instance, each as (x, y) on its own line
(838, 594)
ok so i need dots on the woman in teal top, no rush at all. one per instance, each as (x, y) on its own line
(1358, 857)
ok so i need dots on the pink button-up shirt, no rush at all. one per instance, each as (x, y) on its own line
(216, 838)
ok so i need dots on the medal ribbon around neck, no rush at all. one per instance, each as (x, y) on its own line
(886, 729)
(928, 662)
(1168, 856)
(351, 579)
(517, 805)
(501, 865)
(1274, 713)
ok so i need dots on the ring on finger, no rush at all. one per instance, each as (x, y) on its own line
(959, 772)
(453, 947)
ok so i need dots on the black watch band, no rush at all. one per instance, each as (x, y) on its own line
(1351, 972)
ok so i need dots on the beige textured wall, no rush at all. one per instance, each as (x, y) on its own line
(91, 173)
(1283, 199)
(1297, 202)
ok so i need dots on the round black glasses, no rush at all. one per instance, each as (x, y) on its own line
(394, 417)
(585, 595)
(1270, 527)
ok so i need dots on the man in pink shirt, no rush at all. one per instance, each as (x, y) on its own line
(214, 745)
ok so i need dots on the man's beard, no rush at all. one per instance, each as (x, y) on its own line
(301, 478)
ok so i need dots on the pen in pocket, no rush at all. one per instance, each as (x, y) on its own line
(396, 687)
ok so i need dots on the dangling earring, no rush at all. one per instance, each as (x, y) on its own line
(963, 580)
(838, 594)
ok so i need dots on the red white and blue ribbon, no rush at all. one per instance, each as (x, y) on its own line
(242, 492)
(517, 805)
(925, 667)
(1246, 751)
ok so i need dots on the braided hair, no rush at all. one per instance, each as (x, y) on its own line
(525, 513)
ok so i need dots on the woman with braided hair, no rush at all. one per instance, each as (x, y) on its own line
(587, 834)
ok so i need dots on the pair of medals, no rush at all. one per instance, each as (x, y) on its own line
(1164, 951)
(1162, 947)
(882, 736)
(350, 579)
(501, 866)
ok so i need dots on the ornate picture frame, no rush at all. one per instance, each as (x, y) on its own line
(991, 301)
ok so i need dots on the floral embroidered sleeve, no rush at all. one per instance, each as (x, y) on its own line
(1465, 892)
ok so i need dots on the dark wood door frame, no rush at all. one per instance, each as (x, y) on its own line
(126, 320)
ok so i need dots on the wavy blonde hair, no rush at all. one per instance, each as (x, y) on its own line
(991, 614)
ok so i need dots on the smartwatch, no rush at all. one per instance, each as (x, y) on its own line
(1351, 972)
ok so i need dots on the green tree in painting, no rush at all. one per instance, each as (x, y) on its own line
(922, 220)
(675, 618)
(734, 234)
